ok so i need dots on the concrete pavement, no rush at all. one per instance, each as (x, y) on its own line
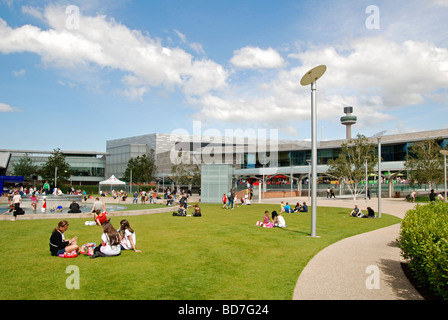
(362, 267)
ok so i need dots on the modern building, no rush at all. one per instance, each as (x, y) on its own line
(88, 166)
(246, 155)
(249, 157)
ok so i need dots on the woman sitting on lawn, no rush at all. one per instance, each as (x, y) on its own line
(279, 221)
(58, 244)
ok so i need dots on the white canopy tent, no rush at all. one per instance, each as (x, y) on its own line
(112, 181)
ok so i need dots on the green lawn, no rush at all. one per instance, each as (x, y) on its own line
(221, 255)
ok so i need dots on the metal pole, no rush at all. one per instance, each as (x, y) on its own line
(313, 159)
(309, 180)
(290, 181)
(444, 167)
(367, 181)
(379, 177)
(130, 183)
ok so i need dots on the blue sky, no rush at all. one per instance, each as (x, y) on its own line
(72, 79)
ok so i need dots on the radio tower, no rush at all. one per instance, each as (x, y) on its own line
(348, 120)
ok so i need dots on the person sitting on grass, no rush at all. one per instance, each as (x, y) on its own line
(127, 235)
(110, 242)
(297, 207)
(266, 222)
(279, 221)
(303, 208)
(58, 244)
(100, 217)
(282, 206)
(370, 213)
(356, 212)
(197, 211)
(287, 208)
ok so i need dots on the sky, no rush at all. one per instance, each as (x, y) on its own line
(74, 74)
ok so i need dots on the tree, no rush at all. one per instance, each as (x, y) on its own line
(179, 169)
(425, 163)
(56, 160)
(350, 166)
(24, 167)
(143, 168)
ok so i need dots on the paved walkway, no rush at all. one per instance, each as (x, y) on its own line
(362, 267)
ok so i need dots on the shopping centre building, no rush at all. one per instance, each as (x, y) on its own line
(249, 157)
(245, 154)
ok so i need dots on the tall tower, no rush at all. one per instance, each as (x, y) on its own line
(348, 120)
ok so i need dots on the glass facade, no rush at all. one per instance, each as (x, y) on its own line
(86, 168)
(117, 160)
(216, 180)
(389, 152)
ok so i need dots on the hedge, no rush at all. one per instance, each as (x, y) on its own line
(424, 242)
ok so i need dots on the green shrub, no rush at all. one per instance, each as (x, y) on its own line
(424, 242)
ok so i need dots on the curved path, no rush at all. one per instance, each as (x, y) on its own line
(363, 267)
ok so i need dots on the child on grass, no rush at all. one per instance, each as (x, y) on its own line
(110, 242)
(127, 235)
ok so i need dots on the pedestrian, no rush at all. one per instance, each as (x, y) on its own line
(224, 201)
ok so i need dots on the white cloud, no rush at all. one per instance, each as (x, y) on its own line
(104, 43)
(256, 58)
(32, 11)
(442, 3)
(18, 73)
(375, 75)
(7, 108)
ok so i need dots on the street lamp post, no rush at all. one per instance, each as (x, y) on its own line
(55, 176)
(445, 153)
(367, 179)
(309, 179)
(378, 136)
(311, 77)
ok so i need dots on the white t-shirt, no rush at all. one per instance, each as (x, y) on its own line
(108, 249)
(125, 241)
(17, 198)
(280, 221)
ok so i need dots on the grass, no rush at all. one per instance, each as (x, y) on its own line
(221, 255)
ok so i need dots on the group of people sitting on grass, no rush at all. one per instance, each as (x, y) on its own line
(112, 241)
(277, 220)
(357, 212)
(298, 208)
(182, 212)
